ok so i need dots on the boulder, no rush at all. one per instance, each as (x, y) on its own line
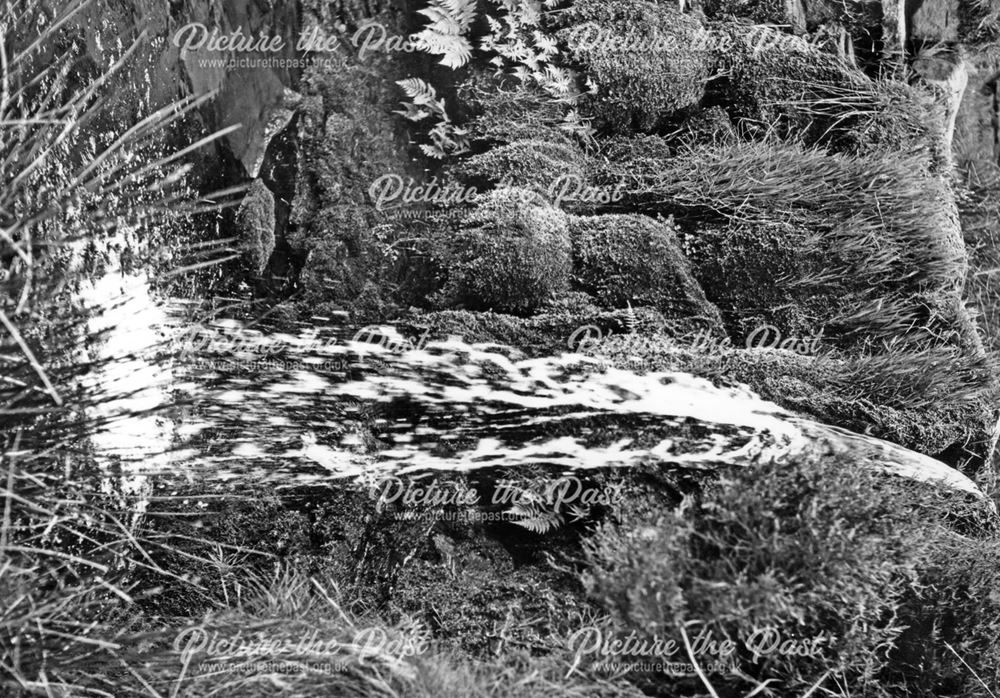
(645, 60)
(634, 260)
(511, 253)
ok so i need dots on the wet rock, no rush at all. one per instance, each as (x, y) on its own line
(176, 61)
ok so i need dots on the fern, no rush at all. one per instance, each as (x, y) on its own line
(536, 518)
(445, 35)
(631, 321)
(538, 512)
(446, 138)
(522, 46)
(422, 94)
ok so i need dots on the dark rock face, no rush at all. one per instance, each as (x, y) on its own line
(177, 60)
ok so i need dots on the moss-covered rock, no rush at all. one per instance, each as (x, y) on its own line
(511, 253)
(347, 141)
(646, 60)
(255, 223)
(533, 164)
(557, 329)
(748, 272)
(630, 259)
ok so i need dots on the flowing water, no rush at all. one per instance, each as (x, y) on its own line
(225, 401)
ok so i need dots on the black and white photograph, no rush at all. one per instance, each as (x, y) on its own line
(499, 348)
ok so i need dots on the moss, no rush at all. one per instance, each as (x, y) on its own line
(743, 269)
(255, 223)
(759, 11)
(533, 164)
(347, 140)
(510, 254)
(708, 125)
(767, 548)
(631, 259)
(647, 61)
(465, 588)
(546, 334)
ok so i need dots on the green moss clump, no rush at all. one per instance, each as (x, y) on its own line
(255, 222)
(647, 60)
(632, 259)
(510, 254)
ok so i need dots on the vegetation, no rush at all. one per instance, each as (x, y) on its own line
(846, 566)
(255, 217)
(769, 184)
(510, 254)
(633, 260)
(645, 61)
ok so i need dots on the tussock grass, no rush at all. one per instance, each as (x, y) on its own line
(890, 232)
(76, 185)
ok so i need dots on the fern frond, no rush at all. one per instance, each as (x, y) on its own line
(455, 50)
(450, 20)
(631, 321)
(432, 151)
(418, 90)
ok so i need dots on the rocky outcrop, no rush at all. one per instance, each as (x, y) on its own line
(178, 60)
(255, 222)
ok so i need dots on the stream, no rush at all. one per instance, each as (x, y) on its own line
(223, 401)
